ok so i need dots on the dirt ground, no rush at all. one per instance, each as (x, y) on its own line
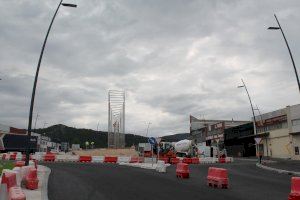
(107, 152)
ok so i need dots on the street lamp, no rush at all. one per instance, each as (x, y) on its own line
(36, 77)
(287, 44)
(148, 128)
(254, 120)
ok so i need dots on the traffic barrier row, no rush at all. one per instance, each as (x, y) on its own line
(14, 156)
(217, 177)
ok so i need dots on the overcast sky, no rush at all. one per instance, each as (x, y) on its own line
(172, 57)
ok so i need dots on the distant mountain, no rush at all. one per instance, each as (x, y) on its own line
(63, 133)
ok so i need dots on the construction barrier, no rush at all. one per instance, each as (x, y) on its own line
(16, 193)
(97, 159)
(217, 177)
(12, 157)
(165, 159)
(17, 171)
(19, 163)
(182, 170)
(149, 160)
(72, 158)
(85, 158)
(295, 189)
(110, 159)
(229, 159)
(24, 171)
(187, 160)
(174, 160)
(49, 157)
(124, 159)
(31, 179)
(161, 166)
(4, 156)
(10, 179)
(134, 160)
(195, 160)
(222, 160)
(60, 158)
(19, 156)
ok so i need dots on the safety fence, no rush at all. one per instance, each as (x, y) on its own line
(50, 157)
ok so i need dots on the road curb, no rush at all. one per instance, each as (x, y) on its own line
(45, 183)
(280, 171)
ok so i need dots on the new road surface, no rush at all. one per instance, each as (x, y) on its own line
(113, 182)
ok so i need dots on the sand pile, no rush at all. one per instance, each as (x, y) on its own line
(107, 152)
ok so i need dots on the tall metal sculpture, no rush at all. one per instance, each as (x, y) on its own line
(116, 119)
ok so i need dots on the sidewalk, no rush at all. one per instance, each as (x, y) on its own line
(42, 192)
(288, 165)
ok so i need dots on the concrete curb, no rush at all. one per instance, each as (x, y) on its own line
(45, 183)
(280, 171)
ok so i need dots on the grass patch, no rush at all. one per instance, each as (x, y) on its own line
(6, 164)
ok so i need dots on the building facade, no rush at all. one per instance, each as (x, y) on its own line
(210, 132)
(280, 132)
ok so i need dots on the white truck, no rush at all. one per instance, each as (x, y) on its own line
(185, 148)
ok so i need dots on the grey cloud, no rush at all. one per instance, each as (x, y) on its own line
(173, 58)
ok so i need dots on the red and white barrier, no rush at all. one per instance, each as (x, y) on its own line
(217, 177)
(97, 159)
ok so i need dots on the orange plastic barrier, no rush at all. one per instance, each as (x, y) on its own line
(19, 163)
(16, 193)
(195, 161)
(187, 160)
(141, 159)
(166, 160)
(49, 157)
(295, 189)
(217, 177)
(175, 160)
(182, 170)
(222, 160)
(134, 159)
(110, 159)
(9, 179)
(85, 159)
(31, 179)
(13, 157)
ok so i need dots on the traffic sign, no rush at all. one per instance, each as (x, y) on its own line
(152, 140)
(257, 140)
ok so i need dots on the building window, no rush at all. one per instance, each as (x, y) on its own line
(296, 150)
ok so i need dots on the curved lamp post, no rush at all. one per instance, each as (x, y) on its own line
(254, 120)
(36, 77)
(287, 44)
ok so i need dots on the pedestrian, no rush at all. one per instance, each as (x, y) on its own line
(260, 157)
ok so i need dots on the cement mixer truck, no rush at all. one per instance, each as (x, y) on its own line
(185, 148)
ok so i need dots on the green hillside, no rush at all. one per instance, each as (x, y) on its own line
(63, 133)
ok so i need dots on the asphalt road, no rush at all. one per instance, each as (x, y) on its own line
(113, 182)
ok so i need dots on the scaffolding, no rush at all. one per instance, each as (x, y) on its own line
(116, 119)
